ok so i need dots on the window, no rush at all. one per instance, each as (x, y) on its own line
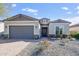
(59, 31)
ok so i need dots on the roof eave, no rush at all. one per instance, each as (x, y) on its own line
(60, 22)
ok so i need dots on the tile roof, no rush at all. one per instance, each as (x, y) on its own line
(75, 25)
(60, 21)
(20, 17)
(44, 19)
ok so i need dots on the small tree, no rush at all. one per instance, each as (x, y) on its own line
(4, 10)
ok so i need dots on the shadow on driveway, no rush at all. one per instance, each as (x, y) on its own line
(25, 40)
(16, 40)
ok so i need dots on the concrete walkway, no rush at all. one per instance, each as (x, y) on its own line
(11, 48)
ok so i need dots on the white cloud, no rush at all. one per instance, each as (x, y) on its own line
(69, 12)
(65, 8)
(34, 11)
(73, 20)
(35, 14)
(77, 8)
(23, 9)
(13, 5)
(31, 10)
(77, 12)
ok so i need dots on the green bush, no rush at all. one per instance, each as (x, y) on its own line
(75, 35)
(36, 36)
(4, 36)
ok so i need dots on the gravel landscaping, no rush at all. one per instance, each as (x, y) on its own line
(71, 48)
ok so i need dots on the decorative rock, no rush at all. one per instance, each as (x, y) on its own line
(72, 39)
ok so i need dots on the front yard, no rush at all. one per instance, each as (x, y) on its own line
(70, 48)
(39, 47)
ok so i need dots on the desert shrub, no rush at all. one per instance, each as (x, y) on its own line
(45, 44)
(40, 47)
(64, 42)
(58, 36)
(64, 36)
(72, 34)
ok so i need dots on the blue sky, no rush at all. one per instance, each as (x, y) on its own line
(53, 11)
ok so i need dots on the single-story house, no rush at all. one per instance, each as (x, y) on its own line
(25, 27)
(74, 28)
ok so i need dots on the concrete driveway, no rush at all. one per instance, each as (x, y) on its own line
(12, 47)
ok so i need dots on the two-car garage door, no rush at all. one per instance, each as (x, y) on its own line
(21, 32)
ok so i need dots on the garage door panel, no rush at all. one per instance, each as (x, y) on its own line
(21, 32)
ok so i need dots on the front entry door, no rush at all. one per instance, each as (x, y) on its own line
(44, 31)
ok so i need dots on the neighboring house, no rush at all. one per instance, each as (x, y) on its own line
(26, 27)
(74, 28)
(1, 28)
